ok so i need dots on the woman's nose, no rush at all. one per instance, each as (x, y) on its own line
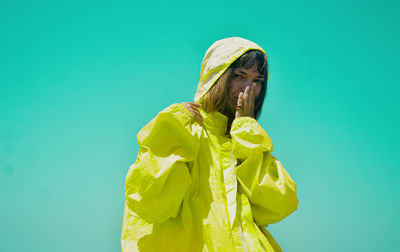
(246, 84)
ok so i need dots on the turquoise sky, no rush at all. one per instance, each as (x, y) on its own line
(78, 79)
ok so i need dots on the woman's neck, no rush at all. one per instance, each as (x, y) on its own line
(228, 130)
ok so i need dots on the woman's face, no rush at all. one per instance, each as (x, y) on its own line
(243, 78)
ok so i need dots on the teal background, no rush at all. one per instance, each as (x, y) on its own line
(79, 79)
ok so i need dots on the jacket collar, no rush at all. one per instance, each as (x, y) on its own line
(215, 122)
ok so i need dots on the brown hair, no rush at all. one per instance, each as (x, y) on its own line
(216, 99)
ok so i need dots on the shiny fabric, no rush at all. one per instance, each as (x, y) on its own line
(193, 188)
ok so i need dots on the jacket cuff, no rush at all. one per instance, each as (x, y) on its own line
(248, 136)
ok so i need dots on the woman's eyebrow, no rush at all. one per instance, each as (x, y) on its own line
(242, 72)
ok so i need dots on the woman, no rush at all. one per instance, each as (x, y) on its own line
(204, 178)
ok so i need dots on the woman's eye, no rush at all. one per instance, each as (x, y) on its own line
(238, 76)
(259, 81)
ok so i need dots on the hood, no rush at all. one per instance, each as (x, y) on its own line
(217, 60)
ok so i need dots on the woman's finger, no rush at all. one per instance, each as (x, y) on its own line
(193, 108)
(199, 119)
(246, 101)
(197, 113)
(239, 105)
(186, 105)
(194, 105)
(240, 101)
(252, 99)
(189, 107)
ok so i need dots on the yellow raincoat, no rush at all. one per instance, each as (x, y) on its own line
(193, 188)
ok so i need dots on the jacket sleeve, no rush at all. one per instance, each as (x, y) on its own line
(159, 178)
(268, 186)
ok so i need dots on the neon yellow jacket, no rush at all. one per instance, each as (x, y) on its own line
(193, 188)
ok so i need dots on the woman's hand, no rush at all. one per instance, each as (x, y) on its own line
(245, 103)
(194, 109)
